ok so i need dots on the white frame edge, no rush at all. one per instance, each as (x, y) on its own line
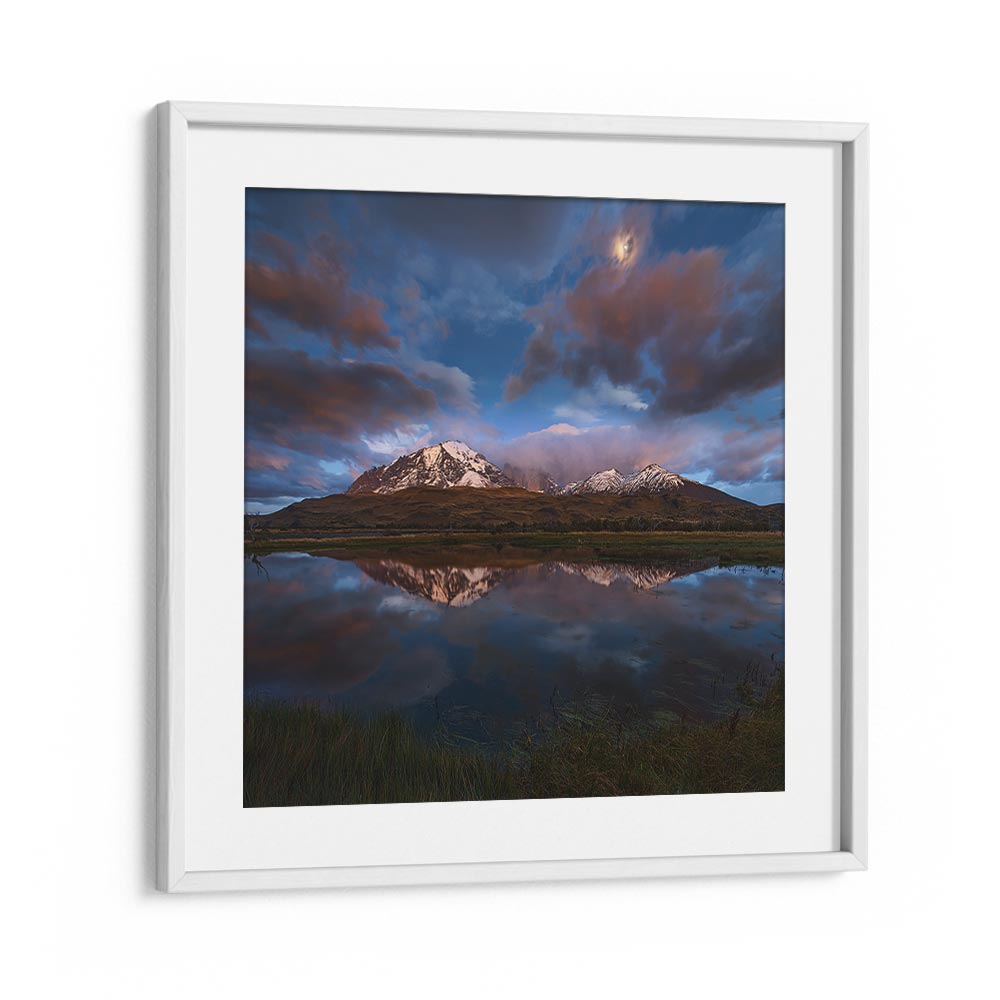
(175, 118)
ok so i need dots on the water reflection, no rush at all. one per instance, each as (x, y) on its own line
(459, 586)
(495, 644)
(456, 586)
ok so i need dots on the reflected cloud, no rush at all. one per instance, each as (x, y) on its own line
(495, 644)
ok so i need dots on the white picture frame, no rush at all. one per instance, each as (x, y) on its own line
(175, 872)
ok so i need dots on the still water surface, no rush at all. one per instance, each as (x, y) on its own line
(489, 648)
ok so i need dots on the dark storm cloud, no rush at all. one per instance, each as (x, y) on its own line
(504, 232)
(712, 334)
(313, 293)
(296, 401)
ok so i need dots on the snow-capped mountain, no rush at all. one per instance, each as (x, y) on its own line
(652, 479)
(443, 465)
(609, 481)
(452, 463)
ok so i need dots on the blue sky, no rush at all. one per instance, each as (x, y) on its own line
(556, 336)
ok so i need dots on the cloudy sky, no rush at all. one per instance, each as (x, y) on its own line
(557, 336)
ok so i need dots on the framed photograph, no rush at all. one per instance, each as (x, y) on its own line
(512, 495)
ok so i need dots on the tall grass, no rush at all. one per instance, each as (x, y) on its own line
(301, 755)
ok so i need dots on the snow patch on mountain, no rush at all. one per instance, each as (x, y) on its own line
(462, 452)
(476, 480)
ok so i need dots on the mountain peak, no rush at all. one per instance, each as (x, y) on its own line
(448, 464)
(458, 449)
(443, 465)
(608, 481)
(652, 479)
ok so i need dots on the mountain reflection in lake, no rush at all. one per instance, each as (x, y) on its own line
(492, 647)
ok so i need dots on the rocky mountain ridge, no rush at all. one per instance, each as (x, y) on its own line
(451, 464)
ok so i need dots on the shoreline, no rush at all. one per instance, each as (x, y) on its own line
(754, 548)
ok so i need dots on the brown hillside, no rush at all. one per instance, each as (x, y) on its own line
(460, 508)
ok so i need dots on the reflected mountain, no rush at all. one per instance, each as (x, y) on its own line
(456, 586)
(376, 631)
(460, 586)
(642, 576)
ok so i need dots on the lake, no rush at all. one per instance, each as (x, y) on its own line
(490, 649)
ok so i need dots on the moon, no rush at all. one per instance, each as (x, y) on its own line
(624, 247)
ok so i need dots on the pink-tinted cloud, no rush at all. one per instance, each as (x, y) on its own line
(298, 402)
(260, 458)
(707, 334)
(315, 294)
(687, 446)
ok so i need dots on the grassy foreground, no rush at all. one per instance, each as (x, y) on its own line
(303, 755)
